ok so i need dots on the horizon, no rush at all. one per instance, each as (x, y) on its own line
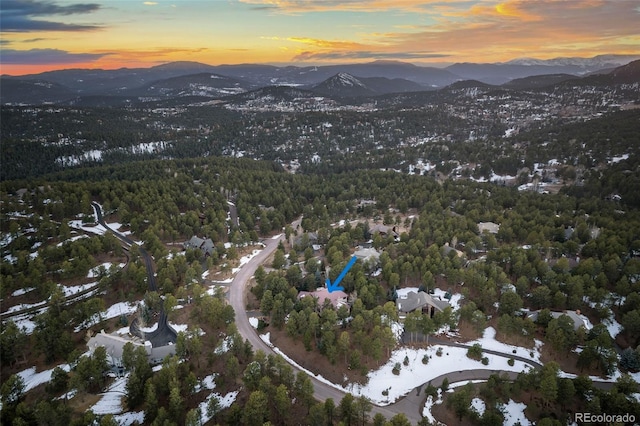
(431, 65)
(49, 35)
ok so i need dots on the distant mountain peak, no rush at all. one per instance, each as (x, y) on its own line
(599, 61)
(346, 79)
(179, 65)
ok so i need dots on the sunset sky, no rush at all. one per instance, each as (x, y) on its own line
(41, 35)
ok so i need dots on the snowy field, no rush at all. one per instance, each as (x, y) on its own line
(32, 379)
(115, 310)
(415, 374)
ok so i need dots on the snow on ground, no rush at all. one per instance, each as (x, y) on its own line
(488, 341)
(32, 379)
(254, 322)
(94, 229)
(68, 395)
(429, 403)
(612, 325)
(95, 272)
(22, 291)
(151, 329)
(70, 291)
(514, 413)
(224, 346)
(224, 402)
(275, 237)
(207, 383)
(213, 290)
(124, 331)
(612, 378)
(413, 375)
(126, 419)
(397, 328)
(619, 158)
(478, 406)
(452, 386)
(25, 323)
(111, 401)
(115, 310)
(22, 306)
(74, 238)
(245, 259)
(417, 373)
(178, 327)
(426, 411)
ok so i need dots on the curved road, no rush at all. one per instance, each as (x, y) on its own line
(322, 391)
(411, 404)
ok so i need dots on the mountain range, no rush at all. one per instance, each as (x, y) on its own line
(205, 82)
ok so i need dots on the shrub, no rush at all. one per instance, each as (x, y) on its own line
(425, 359)
(630, 360)
(439, 352)
(511, 362)
(396, 369)
(406, 360)
(475, 352)
(485, 360)
(445, 384)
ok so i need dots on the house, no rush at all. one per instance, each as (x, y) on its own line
(206, 246)
(420, 300)
(306, 239)
(446, 249)
(336, 298)
(490, 227)
(369, 255)
(114, 345)
(578, 319)
(384, 231)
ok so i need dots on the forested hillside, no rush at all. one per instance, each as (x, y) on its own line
(567, 251)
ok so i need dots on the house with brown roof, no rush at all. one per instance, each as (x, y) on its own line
(336, 298)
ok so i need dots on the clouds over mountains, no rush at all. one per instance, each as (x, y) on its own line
(33, 15)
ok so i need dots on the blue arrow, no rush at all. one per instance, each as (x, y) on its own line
(335, 286)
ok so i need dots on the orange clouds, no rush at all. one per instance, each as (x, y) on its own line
(315, 31)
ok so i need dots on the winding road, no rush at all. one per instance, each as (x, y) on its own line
(164, 334)
(411, 404)
(322, 391)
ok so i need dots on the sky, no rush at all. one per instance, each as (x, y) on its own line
(43, 35)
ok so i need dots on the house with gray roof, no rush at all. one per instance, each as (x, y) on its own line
(420, 300)
(367, 254)
(578, 319)
(490, 227)
(114, 345)
(205, 245)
